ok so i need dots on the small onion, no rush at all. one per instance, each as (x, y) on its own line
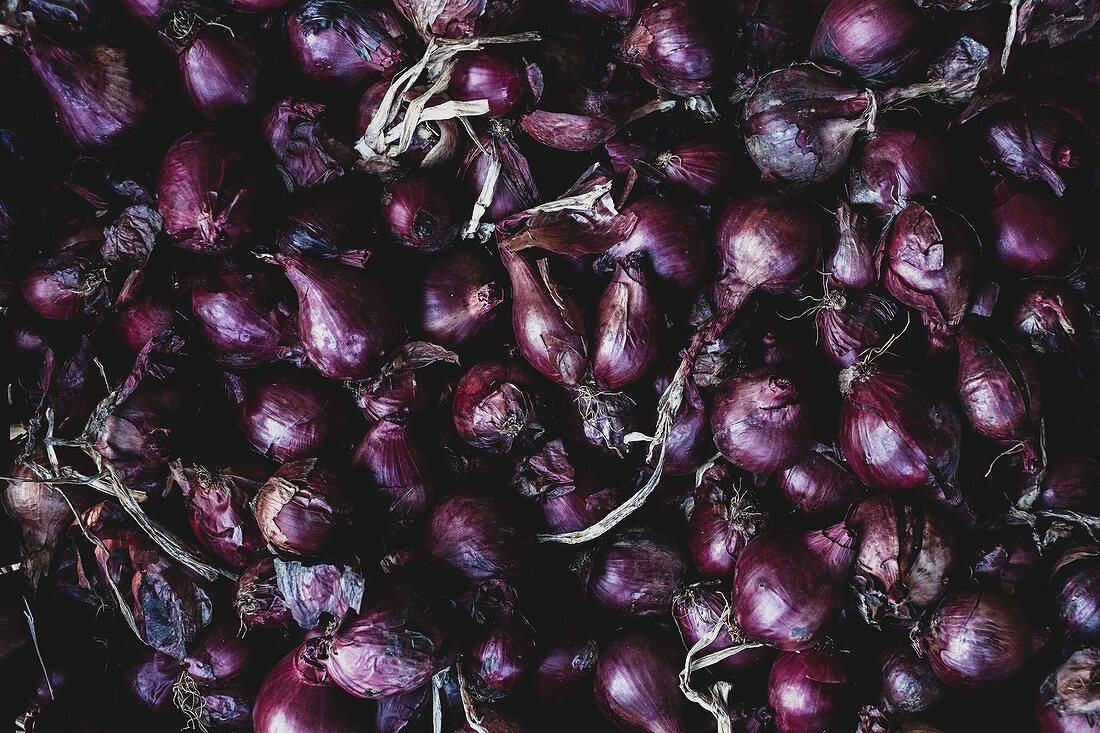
(850, 323)
(1049, 315)
(222, 73)
(852, 263)
(908, 683)
(217, 508)
(1075, 579)
(479, 536)
(567, 655)
(298, 696)
(391, 457)
(629, 328)
(637, 684)
(811, 691)
(1070, 482)
(677, 45)
(306, 508)
(706, 167)
(697, 608)
(1034, 233)
(67, 285)
(42, 513)
(570, 500)
(459, 298)
(635, 574)
(879, 41)
(495, 407)
(820, 486)
(309, 149)
(421, 213)
(722, 522)
(499, 77)
(895, 165)
(434, 143)
(515, 189)
(501, 654)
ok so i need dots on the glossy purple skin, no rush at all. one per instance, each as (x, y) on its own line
(820, 486)
(636, 685)
(1051, 722)
(1071, 482)
(422, 213)
(496, 76)
(1034, 233)
(67, 285)
(706, 167)
(307, 508)
(480, 537)
(1076, 583)
(1000, 385)
(222, 73)
(908, 684)
(629, 331)
(459, 301)
(298, 696)
(878, 41)
(855, 322)
(636, 575)
(696, 609)
(502, 655)
(676, 46)
(671, 238)
(811, 691)
(134, 324)
(395, 463)
(217, 508)
(898, 164)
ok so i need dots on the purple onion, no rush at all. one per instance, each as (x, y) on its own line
(707, 167)
(677, 45)
(299, 695)
(222, 73)
(880, 42)
(515, 189)
(1075, 579)
(820, 486)
(1034, 233)
(722, 522)
(850, 323)
(907, 682)
(309, 150)
(462, 19)
(307, 508)
(495, 408)
(480, 537)
(501, 654)
(421, 213)
(398, 467)
(637, 684)
(459, 298)
(635, 574)
(811, 690)
(257, 598)
(895, 165)
(67, 285)
(500, 77)
(670, 236)
(697, 608)
(217, 508)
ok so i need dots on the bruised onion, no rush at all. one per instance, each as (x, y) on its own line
(677, 45)
(977, 638)
(895, 165)
(761, 420)
(257, 598)
(629, 328)
(1033, 232)
(635, 574)
(788, 585)
(495, 407)
(801, 123)
(395, 463)
(421, 213)
(850, 323)
(697, 608)
(222, 72)
(637, 684)
(501, 653)
(399, 641)
(501, 78)
(722, 522)
(348, 320)
(299, 695)
(879, 41)
(42, 513)
(217, 508)
(67, 285)
(1075, 579)
(344, 45)
(209, 194)
(811, 691)
(458, 302)
(479, 536)
(306, 145)
(907, 682)
(307, 508)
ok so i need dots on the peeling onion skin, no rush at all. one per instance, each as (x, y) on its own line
(1075, 580)
(696, 609)
(495, 408)
(881, 42)
(895, 165)
(635, 575)
(637, 686)
(677, 46)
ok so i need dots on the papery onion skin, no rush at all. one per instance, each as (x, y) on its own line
(421, 213)
(820, 486)
(907, 682)
(501, 78)
(811, 691)
(395, 463)
(636, 683)
(495, 408)
(1075, 579)
(696, 609)
(850, 323)
(879, 41)
(605, 9)
(852, 262)
(396, 644)
(257, 598)
(331, 222)
(635, 574)
(977, 638)
(761, 420)
(501, 654)
(217, 508)
(795, 137)
(307, 508)
(222, 73)
(1049, 316)
(308, 146)
(722, 522)
(515, 189)
(1051, 722)
(788, 585)
(209, 194)
(348, 319)
(677, 46)
(670, 236)
(630, 329)
(463, 19)
(1034, 233)
(460, 301)
(479, 536)
(42, 514)
(298, 696)
(706, 167)
(895, 165)
(67, 285)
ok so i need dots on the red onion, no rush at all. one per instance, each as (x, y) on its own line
(879, 41)
(811, 691)
(243, 316)
(1009, 558)
(406, 384)
(494, 406)
(707, 167)
(969, 64)
(1070, 690)
(906, 552)
(820, 486)
(257, 599)
(501, 654)
(67, 285)
(134, 324)
(344, 45)
(801, 123)
(852, 263)
(722, 522)
(1034, 232)
(220, 656)
(895, 165)
(928, 262)
(850, 323)
(1070, 483)
(549, 326)
(773, 33)
(788, 585)
(635, 574)
(677, 45)
(330, 222)
(395, 463)
(670, 236)
(568, 654)
(287, 414)
(222, 72)
(319, 590)
(1051, 722)
(42, 515)
(697, 608)
(217, 508)
(761, 420)
(500, 77)
(1048, 315)
(1052, 23)
(765, 242)
(514, 189)
(398, 643)
(605, 9)
(629, 328)
(570, 501)
(209, 194)
(308, 147)
(462, 19)
(577, 118)
(978, 638)
(637, 685)
(899, 434)
(421, 213)
(394, 714)
(98, 93)
(480, 536)
(150, 677)
(908, 683)
(458, 300)
(170, 606)
(299, 696)
(348, 320)
(690, 442)
(306, 508)
(1075, 579)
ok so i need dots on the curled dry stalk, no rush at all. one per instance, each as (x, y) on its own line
(190, 701)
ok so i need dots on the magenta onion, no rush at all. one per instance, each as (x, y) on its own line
(1070, 690)
(852, 262)
(811, 691)
(697, 608)
(399, 641)
(330, 222)
(629, 328)
(134, 324)
(348, 320)
(977, 638)
(908, 683)
(722, 522)
(501, 654)
(310, 151)
(571, 500)
(221, 72)
(1070, 482)
(788, 585)
(209, 194)
(421, 213)
(435, 142)
(407, 384)
(761, 420)
(895, 165)
(1075, 579)
(690, 442)
(677, 45)
(707, 167)
(670, 236)
(67, 285)
(879, 41)
(637, 684)
(820, 486)
(395, 463)
(307, 508)
(458, 302)
(514, 189)
(850, 323)
(635, 574)
(42, 515)
(298, 696)
(344, 45)
(1034, 233)
(801, 123)
(462, 19)
(605, 9)
(479, 536)
(217, 508)
(501, 78)
(1049, 315)
(567, 655)
(257, 598)
(287, 414)
(495, 407)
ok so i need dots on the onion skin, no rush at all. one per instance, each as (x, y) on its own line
(42, 515)
(501, 655)
(1051, 722)
(820, 486)
(209, 194)
(348, 320)
(852, 263)
(908, 683)
(494, 406)
(881, 42)
(788, 585)
(567, 656)
(217, 508)
(1049, 316)
(1052, 23)
(696, 609)
(395, 463)
(480, 537)
(306, 508)
(605, 9)
(463, 19)
(458, 303)
(222, 73)
(707, 167)
(801, 123)
(134, 324)
(501, 78)
(850, 323)
(676, 46)
(690, 443)
(298, 696)
(257, 599)
(670, 236)
(67, 285)
(570, 501)
(1075, 580)
(421, 213)
(635, 575)
(515, 188)
(811, 691)
(1070, 483)
(629, 329)
(721, 524)
(760, 420)
(899, 435)
(637, 684)
(435, 144)
(308, 147)
(330, 222)
(978, 638)
(895, 165)
(1033, 232)
(396, 644)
